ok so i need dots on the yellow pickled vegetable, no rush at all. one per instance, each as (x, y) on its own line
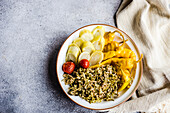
(86, 35)
(98, 31)
(96, 58)
(126, 78)
(79, 41)
(98, 42)
(73, 53)
(87, 46)
(115, 49)
(126, 53)
(111, 46)
(126, 63)
(109, 36)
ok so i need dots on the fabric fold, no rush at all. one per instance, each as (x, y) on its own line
(147, 22)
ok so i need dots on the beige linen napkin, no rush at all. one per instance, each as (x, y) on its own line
(147, 22)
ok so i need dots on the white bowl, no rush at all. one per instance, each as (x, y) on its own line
(105, 104)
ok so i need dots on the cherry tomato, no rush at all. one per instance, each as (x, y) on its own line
(68, 67)
(84, 63)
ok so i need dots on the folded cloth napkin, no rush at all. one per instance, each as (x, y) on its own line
(147, 22)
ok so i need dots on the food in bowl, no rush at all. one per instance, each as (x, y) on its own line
(94, 85)
(102, 67)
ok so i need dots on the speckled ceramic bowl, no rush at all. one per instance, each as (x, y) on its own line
(124, 95)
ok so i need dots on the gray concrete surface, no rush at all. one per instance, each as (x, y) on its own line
(31, 33)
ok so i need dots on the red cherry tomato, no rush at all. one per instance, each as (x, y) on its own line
(84, 63)
(68, 67)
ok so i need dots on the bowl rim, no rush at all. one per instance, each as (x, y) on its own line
(141, 65)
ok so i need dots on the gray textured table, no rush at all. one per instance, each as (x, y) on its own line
(31, 33)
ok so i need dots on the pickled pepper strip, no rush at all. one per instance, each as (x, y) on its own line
(127, 63)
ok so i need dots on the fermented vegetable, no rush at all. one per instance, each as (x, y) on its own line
(94, 85)
(103, 66)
